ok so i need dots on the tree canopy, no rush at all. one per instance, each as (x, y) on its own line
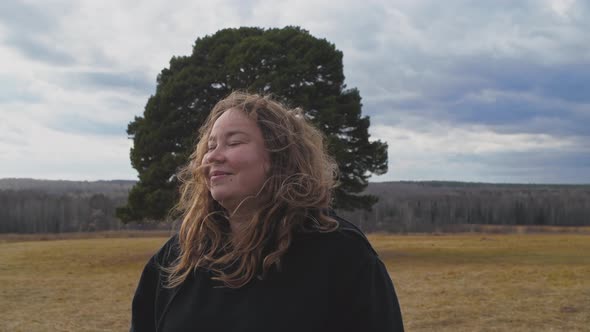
(296, 67)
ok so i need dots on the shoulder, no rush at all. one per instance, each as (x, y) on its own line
(336, 258)
(151, 298)
(347, 245)
(154, 271)
(353, 234)
(167, 253)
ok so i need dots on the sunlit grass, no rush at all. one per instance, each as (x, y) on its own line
(70, 285)
(490, 282)
(476, 282)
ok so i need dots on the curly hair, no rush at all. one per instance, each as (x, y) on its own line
(295, 197)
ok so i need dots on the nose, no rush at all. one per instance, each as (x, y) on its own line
(215, 156)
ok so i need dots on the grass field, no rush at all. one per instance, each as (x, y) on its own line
(470, 282)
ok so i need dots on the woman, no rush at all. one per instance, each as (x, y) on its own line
(259, 249)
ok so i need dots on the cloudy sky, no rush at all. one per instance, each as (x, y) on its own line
(490, 91)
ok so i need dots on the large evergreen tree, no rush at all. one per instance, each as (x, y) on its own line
(302, 70)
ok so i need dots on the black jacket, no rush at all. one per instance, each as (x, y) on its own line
(328, 282)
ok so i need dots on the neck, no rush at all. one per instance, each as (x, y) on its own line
(239, 216)
(238, 222)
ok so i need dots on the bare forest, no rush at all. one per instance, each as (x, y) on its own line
(445, 206)
(43, 206)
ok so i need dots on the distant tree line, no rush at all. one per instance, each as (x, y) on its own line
(429, 206)
(28, 211)
(34, 206)
(44, 206)
(110, 187)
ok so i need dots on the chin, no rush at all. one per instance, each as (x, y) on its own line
(222, 198)
(218, 196)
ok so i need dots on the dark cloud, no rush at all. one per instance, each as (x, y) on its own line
(28, 19)
(27, 27)
(568, 82)
(40, 51)
(542, 166)
(15, 90)
(545, 158)
(511, 67)
(78, 124)
(507, 95)
(519, 114)
(135, 82)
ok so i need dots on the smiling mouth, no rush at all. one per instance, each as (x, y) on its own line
(218, 175)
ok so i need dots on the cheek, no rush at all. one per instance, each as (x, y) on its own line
(264, 162)
(254, 165)
(203, 170)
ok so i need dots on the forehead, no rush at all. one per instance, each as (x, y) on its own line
(234, 121)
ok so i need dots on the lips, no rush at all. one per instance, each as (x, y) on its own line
(217, 175)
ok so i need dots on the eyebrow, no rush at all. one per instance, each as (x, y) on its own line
(228, 134)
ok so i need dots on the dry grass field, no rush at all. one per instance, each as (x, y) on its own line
(468, 282)
(482, 282)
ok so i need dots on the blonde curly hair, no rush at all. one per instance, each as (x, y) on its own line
(295, 197)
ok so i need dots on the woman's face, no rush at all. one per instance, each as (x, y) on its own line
(236, 161)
